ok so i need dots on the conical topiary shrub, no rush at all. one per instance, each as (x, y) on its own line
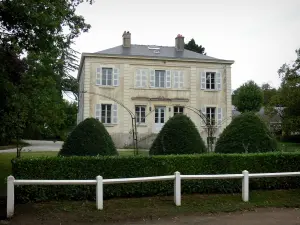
(89, 138)
(178, 136)
(247, 133)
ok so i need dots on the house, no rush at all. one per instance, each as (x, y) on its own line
(154, 83)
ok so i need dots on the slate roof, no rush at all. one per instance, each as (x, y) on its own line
(164, 52)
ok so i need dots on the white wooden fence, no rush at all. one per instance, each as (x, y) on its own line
(177, 177)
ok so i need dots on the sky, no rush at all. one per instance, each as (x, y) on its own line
(259, 35)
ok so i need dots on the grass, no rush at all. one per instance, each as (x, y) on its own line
(13, 144)
(156, 207)
(288, 147)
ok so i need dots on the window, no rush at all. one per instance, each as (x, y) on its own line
(178, 110)
(140, 113)
(141, 78)
(211, 115)
(210, 80)
(107, 76)
(106, 113)
(160, 76)
(178, 79)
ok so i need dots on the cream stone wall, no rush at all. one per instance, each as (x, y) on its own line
(126, 93)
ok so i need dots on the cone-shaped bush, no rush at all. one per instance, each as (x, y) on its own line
(89, 138)
(178, 136)
(247, 133)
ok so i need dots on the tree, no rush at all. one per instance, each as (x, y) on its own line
(38, 35)
(89, 138)
(268, 93)
(247, 133)
(178, 136)
(192, 46)
(289, 95)
(248, 97)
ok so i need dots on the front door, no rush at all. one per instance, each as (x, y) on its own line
(159, 118)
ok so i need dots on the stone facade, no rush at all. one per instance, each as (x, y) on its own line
(132, 85)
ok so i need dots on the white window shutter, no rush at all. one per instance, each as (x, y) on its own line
(144, 77)
(168, 79)
(116, 76)
(138, 78)
(115, 114)
(98, 112)
(203, 80)
(152, 78)
(181, 79)
(219, 116)
(218, 81)
(98, 76)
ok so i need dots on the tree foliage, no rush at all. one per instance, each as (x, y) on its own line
(37, 58)
(89, 138)
(178, 136)
(248, 97)
(247, 133)
(268, 92)
(289, 95)
(192, 46)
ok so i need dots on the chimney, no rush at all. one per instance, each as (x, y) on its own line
(126, 39)
(179, 43)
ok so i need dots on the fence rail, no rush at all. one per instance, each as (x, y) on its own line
(177, 177)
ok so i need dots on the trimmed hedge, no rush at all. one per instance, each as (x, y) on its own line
(178, 136)
(89, 138)
(126, 167)
(247, 131)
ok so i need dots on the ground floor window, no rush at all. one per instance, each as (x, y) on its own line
(178, 110)
(211, 115)
(140, 113)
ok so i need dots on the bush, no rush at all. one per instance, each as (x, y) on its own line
(89, 138)
(247, 133)
(121, 167)
(178, 136)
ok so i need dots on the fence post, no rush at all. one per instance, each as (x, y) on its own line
(10, 197)
(245, 186)
(177, 189)
(99, 192)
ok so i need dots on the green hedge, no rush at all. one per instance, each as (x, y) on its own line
(125, 167)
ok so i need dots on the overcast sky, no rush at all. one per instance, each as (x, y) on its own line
(259, 35)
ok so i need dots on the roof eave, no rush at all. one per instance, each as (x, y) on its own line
(155, 58)
(84, 54)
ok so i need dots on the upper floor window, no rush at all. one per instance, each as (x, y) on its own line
(140, 113)
(178, 110)
(107, 76)
(160, 78)
(211, 81)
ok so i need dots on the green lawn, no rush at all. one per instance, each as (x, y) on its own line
(126, 209)
(288, 147)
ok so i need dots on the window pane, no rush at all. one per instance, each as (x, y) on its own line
(156, 78)
(181, 109)
(143, 109)
(162, 119)
(104, 79)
